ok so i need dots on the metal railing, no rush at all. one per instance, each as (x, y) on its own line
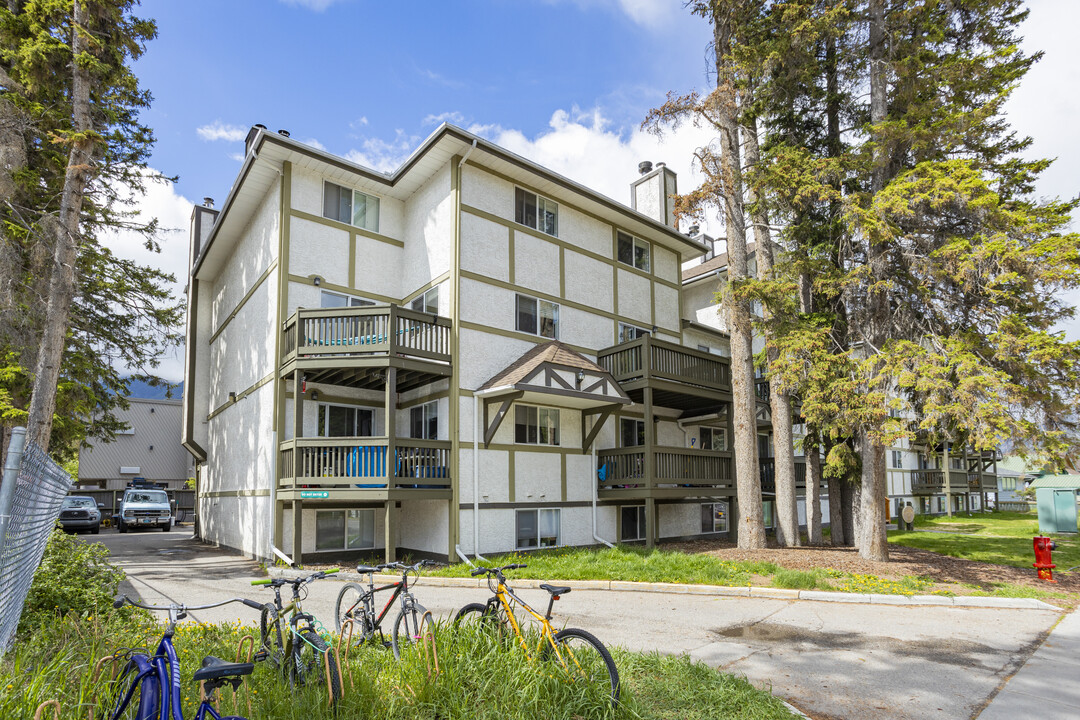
(361, 462)
(648, 357)
(362, 331)
(33, 488)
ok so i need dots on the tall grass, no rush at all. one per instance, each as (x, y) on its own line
(479, 677)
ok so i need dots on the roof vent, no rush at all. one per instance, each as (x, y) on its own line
(260, 126)
(644, 167)
(660, 165)
(284, 133)
(208, 202)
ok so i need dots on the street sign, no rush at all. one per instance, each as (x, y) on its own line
(306, 494)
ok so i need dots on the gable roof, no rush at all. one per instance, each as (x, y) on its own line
(551, 352)
(718, 262)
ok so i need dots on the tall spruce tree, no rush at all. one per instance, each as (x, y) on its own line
(73, 154)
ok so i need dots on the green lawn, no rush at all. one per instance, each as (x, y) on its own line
(1003, 538)
(634, 563)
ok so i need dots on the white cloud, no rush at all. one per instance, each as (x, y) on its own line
(173, 212)
(218, 130)
(453, 117)
(238, 157)
(647, 13)
(384, 155)
(314, 5)
(314, 143)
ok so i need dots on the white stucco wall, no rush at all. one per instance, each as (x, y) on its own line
(635, 302)
(485, 247)
(428, 233)
(536, 263)
(589, 281)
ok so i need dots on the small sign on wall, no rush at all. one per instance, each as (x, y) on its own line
(129, 470)
(304, 494)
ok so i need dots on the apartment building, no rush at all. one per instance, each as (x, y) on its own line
(469, 354)
(147, 449)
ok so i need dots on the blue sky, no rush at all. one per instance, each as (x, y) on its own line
(565, 83)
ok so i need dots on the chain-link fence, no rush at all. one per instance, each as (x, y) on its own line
(33, 489)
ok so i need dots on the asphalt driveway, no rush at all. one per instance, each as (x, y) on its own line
(831, 660)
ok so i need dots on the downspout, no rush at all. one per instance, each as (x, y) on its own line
(468, 152)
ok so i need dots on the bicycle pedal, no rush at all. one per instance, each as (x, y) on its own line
(260, 656)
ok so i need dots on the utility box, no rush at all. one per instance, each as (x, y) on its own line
(1057, 510)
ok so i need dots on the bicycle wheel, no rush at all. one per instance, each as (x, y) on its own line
(474, 612)
(145, 701)
(307, 666)
(350, 606)
(411, 626)
(270, 636)
(583, 658)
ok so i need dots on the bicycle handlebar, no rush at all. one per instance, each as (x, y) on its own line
(119, 603)
(296, 581)
(497, 570)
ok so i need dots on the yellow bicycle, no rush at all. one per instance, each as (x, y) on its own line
(578, 654)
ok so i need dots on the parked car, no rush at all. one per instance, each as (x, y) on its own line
(79, 513)
(144, 508)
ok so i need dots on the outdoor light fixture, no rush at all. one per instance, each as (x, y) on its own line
(232, 397)
(317, 280)
(315, 395)
(653, 329)
(580, 378)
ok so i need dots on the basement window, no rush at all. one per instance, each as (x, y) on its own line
(344, 529)
(537, 528)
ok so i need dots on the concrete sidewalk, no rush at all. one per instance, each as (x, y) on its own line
(1048, 685)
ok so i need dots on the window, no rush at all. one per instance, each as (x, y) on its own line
(897, 459)
(351, 207)
(633, 252)
(344, 529)
(537, 528)
(537, 317)
(424, 421)
(633, 523)
(631, 432)
(630, 332)
(714, 439)
(536, 425)
(427, 301)
(764, 446)
(714, 517)
(345, 421)
(924, 464)
(336, 300)
(767, 513)
(536, 212)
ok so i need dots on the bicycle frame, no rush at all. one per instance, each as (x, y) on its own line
(400, 586)
(502, 590)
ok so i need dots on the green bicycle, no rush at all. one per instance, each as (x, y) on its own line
(296, 647)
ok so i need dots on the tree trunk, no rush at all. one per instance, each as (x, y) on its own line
(751, 531)
(811, 442)
(873, 542)
(65, 232)
(787, 508)
(848, 490)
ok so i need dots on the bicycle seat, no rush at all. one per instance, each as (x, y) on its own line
(556, 591)
(366, 569)
(214, 668)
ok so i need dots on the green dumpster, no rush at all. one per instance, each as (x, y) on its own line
(1057, 510)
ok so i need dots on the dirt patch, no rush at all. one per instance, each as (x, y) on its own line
(947, 573)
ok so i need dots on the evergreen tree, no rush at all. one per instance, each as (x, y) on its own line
(72, 167)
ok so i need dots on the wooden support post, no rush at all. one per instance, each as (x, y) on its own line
(388, 531)
(279, 524)
(651, 534)
(948, 481)
(298, 425)
(391, 428)
(297, 531)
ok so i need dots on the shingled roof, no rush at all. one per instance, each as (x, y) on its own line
(719, 262)
(552, 352)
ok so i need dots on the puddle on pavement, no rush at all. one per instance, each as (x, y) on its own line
(175, 551)
(765, 632)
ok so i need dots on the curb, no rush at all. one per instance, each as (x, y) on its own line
(718, 591)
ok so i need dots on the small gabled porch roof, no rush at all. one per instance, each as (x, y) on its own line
(553, 374)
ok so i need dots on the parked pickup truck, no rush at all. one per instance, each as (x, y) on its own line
(144, 508)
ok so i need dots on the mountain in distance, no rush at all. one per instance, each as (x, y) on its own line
(139, 390)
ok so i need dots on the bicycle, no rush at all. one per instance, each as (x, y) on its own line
(156, 678)
(357, 605)
(580, 656)
(300, 652)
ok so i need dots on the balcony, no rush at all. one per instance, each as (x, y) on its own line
(982, 482)
(355, 468)
(767, 470)
(678, 376)
(349, 346)
(678, 473)
(932, 482)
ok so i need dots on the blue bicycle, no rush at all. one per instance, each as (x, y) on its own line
(148, 687)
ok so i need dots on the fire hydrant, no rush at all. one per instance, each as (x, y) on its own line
(1043, 546)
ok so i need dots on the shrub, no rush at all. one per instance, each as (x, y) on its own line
(74, 578)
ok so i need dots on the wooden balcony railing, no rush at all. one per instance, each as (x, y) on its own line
(361, 462)
(767, 470)
(363, 331)
(648, 357)
(625, 467)
(933, 481)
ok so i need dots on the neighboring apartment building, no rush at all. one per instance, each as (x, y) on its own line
(471, 353)
(147, 449)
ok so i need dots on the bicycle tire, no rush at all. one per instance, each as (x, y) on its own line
(307, 665)
(411, 625)
(589, 660)
(145, 702)
(270, 636)
(350, 605)
(478, 609)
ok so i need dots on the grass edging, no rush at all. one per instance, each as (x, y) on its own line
(714, 590)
